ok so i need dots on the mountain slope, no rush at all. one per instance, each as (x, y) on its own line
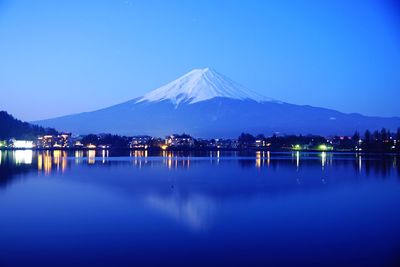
(13, 128)
(207, 104)
(200, 85)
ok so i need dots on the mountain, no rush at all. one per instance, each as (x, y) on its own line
(13, 128)
(201, 85)
(205, 103)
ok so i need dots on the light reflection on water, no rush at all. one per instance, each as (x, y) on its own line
(60, 160)
(23, 156)
(267, 204)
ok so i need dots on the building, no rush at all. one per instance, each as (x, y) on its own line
(224, 144)
(176, 140)
(3, 144)
(262, 142)
(77, 144)
(54, 141)
(140, 142)
(21, 144)
(63, 140)
(46, 141)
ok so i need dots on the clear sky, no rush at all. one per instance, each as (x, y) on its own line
(62, 57)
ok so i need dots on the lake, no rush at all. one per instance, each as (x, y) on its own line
(139, 208)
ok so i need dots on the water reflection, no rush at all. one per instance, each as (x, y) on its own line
(195, 212)
(258, 201)
(47, 162)
(193, 202)
(91, 156)
(104, 155)
(61, 161)
(23, 156)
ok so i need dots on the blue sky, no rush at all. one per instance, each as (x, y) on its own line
(62, 57)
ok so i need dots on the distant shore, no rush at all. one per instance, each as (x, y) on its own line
(180, 149)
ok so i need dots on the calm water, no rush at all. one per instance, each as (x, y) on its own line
(183, 209)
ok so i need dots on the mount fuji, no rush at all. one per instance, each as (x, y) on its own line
(205, 103)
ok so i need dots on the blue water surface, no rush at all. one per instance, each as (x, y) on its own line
(100, 208)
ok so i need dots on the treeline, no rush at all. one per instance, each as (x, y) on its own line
(246, 140)
(116, 141)
(14, 128)
(381, 141)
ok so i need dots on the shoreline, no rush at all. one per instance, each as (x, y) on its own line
(206, 150)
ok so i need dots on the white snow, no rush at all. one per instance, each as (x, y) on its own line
(199, 85)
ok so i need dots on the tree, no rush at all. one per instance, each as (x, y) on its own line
(398, 135)
(384, 135)
(13, 128)
(356, 136)
(246, 140)
(377, 136)
(367, 137)
(260, 137)
(367, 140)
(398, 140)
(90, 139)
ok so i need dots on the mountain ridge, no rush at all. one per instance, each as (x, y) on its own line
(207, 104)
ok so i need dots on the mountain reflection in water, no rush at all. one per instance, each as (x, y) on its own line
(253, 206)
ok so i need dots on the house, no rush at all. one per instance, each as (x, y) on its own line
(176, 140)
(140, 142)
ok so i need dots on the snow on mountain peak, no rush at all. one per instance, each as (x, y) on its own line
(199, 85)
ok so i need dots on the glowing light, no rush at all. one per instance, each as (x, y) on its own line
(323, 159)
(91, 146)
(169, 163)
(324, 147)
(164, 147)
(64, 161)
(78, 143)
(22, 144)
(47, 163)
(258, 159)
(57, 158)
(104, 154)
(297, 147)
(23, 156)
(91, 156)
(78, 154)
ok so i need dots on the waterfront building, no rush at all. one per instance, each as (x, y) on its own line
(3, 144)
(54, 141)
(21, 144)
(77, 144)
(140, 142)
(176, 140)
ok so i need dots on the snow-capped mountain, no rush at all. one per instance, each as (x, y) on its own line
(200, 85)
(208, 104)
